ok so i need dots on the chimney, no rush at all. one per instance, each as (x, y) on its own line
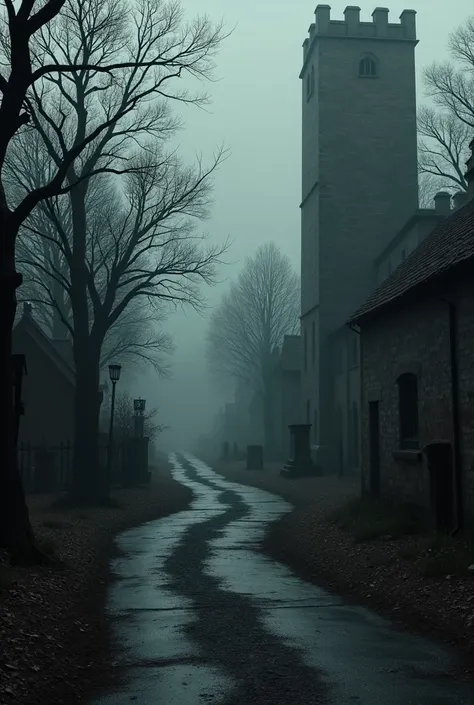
(442, 202)
(459, 199)
(27, 309)
(470, 172)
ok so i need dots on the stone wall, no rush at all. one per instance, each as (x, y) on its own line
(415, 337)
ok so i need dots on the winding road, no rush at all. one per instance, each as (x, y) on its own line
(203, 617)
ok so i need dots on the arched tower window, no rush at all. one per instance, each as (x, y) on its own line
(368, 67)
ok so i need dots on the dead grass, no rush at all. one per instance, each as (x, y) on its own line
(54, 645)
(367, 520)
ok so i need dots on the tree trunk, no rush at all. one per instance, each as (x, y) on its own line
(16, 535)
(88, 482)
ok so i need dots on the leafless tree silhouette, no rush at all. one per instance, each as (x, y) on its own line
(93, 78)
(249, 325)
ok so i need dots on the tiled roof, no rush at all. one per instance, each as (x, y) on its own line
(451, 243)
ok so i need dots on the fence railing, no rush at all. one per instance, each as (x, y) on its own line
(49, 468)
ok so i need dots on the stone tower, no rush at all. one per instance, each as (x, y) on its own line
(359, 176)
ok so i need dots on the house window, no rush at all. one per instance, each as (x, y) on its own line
(308, 411)
(408, 411)
(313, 343)
(368, 67)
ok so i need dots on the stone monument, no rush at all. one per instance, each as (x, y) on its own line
(301, 463)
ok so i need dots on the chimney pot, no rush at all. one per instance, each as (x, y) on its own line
(459, 199)
(442, 202)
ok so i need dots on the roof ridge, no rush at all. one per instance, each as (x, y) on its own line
(448, 245)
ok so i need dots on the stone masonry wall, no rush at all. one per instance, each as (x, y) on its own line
(417, 335)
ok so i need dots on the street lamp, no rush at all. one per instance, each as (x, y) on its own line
(114, 374)
(139, 409)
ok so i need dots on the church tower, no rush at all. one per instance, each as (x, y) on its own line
(359, 177)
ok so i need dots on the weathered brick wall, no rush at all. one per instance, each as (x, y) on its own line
(418, 334)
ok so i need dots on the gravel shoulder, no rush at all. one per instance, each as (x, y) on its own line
(384, 575)
(55, 644)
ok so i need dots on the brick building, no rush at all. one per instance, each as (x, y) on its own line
(417, 363)
(287, 407)
(49, 386)
(358, 99)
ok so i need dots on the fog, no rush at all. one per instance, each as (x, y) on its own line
(256, 112)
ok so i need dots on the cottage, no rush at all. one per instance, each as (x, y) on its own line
(48, 388)
(417, 374)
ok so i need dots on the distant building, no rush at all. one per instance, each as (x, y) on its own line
(287, 406)
(358, 104)
(49, 386)
(417, 361)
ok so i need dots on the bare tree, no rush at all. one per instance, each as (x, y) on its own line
(249, 325)
(132, 52)
(443, 148)
(447, 129)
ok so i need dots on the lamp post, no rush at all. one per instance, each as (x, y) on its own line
(114, 373)
(139, 409)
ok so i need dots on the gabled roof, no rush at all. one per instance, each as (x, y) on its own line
(449, 245)
(50, 347)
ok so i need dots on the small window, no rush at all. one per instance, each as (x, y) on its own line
(308, 411)
(408, 411)
(368, 67)
(313, 343)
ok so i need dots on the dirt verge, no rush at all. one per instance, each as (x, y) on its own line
(55, 644)
(387, 574)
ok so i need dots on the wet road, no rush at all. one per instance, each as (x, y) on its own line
(204, 618)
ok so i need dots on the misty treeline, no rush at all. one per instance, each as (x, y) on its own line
(247, 328)
(446, 127)
(97, 211)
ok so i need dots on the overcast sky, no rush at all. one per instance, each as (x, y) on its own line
(256, 111)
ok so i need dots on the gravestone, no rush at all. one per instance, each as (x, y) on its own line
(301, 463)
(254, 457)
